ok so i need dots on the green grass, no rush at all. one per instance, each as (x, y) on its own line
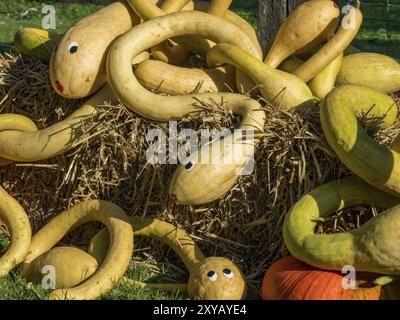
(27, 13)
(4, 243)
(15, 287)
(12, 18)
(17, 14)
(123, 291)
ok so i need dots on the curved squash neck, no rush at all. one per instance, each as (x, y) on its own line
(373, 162)
(177, 239)
(258, 71)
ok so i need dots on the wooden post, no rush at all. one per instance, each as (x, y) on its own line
(271, 15)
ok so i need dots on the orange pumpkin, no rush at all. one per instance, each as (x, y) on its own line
(291, 279)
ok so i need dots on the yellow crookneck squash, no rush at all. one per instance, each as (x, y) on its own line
(309, 25)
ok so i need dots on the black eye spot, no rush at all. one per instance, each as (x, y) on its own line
(212, 275)
(189, 166)
(73, 47)
(228, 273)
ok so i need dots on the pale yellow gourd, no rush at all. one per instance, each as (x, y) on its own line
(290, 64)
(148, 10)
(77, 66)
(68, 272)
(324, 81)
(237, 20)
(211, 278)
(188, 181)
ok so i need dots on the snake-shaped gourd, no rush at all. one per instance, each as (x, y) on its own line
(212, 278)
(279, 88)
(373, 162)
(357, 69)
(77, 65)
(324, 81)
(187, 185)
(309, 25)
(174, 80)
(167, 51)
(21, 141)
(17, 222)
(153, 74)
(110, 271)
(373, 247)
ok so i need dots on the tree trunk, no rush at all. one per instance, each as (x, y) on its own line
(271, 15)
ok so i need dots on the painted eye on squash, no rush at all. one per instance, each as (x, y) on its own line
(212, 275)
(190, 166)
(73, 47)
(228, 273)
